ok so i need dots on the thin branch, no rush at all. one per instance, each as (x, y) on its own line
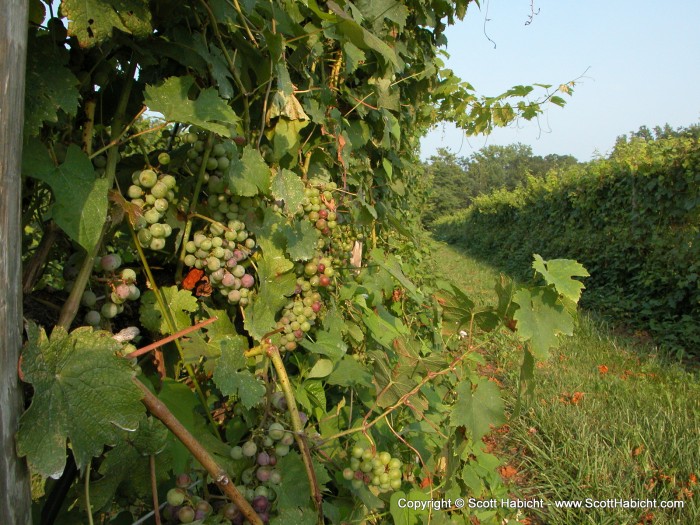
(156, 407)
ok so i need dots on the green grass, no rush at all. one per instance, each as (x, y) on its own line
(609, 419)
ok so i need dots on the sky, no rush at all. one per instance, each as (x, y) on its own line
(634, 62)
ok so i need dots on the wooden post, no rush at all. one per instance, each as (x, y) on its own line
(15, 497)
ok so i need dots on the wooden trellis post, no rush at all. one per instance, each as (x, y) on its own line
(15, 498)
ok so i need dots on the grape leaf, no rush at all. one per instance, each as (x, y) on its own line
(296, 515)
(329, 343)
(82, 393)
(50, 86)
(294, 489)
(81, 202)
(478, 406)
(208, 111)
(540, 318)
(302, 238)
(92, 21)
(392, 265)
(559, 272)
(180, 303)
(402, 515)
(127, 464)
(349, 372)
(287, 186)
(249, 174)
(232, 376)
(274, 273)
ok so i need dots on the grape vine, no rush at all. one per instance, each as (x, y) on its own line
(246, 266)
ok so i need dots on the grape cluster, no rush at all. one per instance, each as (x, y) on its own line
(154, 194)
(258, 481)
(317, 206)
(377, 469)
(184, 506)
(218, 253)
(220, 157)
(118, 289)
(299, 314)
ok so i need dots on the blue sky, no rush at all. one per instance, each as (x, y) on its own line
(640, 62)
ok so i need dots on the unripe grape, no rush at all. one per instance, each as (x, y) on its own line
(157, 230)
(134, 191)
(249, 448)
(357, 484)
(111, 262)
(161, 205)
(357, 451)
(122, 291)
(148, 178)
(384, 458)
(89, 299)
(152, 216)
(176, 497)
(128, 275)
(281, 450)
(263, 474)
(247, 281)
(159, 190)
(134, 293)
(164, 159)
(169, 181)
(395, 463)
(348, 474)
(109, 310)
(183, 481)
(157, 243)
(93, 318)
(186, 515)
(395, 484)
(238, 271)
(276, 431)
(236, 452)
(275, 477)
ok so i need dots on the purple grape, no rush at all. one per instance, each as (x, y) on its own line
(122, 291)
(263, 474)
(264, 517)
(279, 401)
(263, 459)
(247, 281)
(303, 417)
(228, 280)
(273, 460)
(238, 255)
(261, 504)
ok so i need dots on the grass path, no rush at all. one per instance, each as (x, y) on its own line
(609, 420)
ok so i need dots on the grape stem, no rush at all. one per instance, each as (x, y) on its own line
(156, 407)
(193, 205)
(274, 354)
(176, 335)
(167, 315)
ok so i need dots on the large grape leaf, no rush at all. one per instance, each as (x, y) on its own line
(180, 303)
(80, 207)
(232, 375)
(559, 272)
(208, 111)
(50, 85)
(541, 318)
(478, 406)
(83, 392)
(92, 21)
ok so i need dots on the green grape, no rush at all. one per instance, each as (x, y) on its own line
(164, 159)
(148, 178)
(157, 243)
(109, 310)
(159, 190)
(134, 191)
(144, 237)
